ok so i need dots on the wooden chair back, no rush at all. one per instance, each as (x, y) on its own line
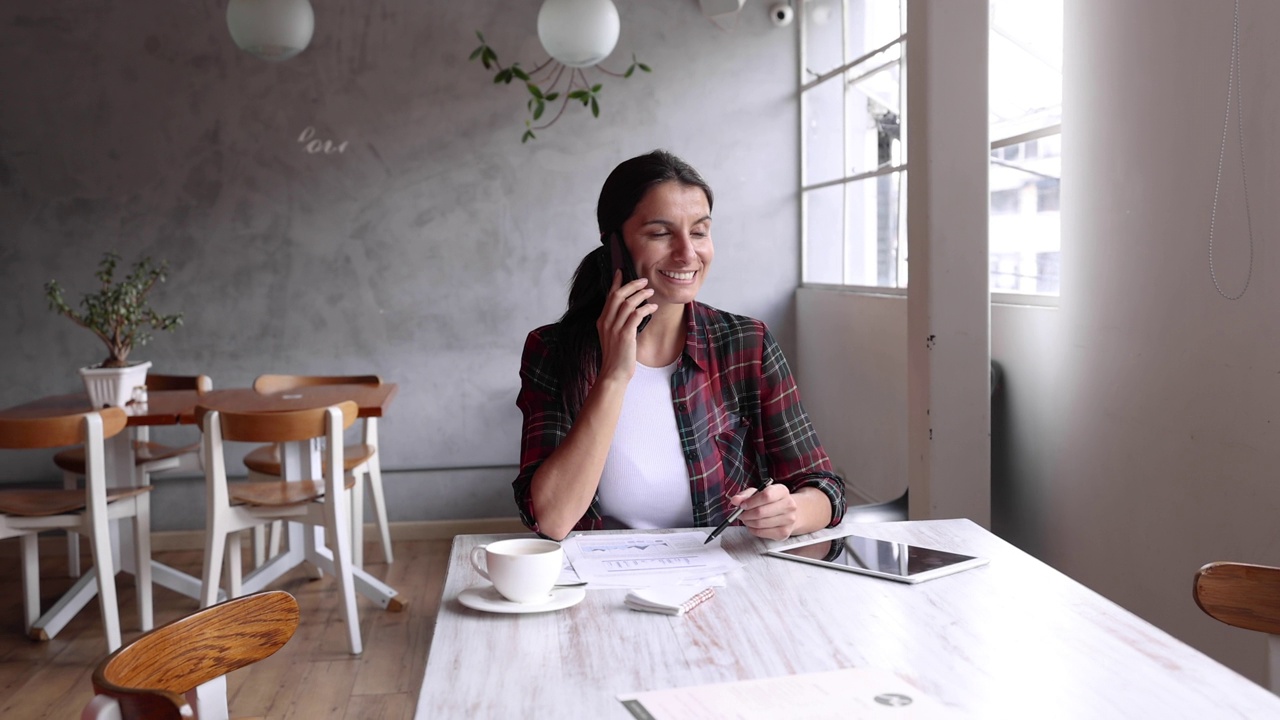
(1246, 596)
(56, 430)
(150, 677)
(279, 383)
(200, 383)
(277, 427)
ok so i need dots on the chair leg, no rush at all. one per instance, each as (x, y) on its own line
(380, 507)
(338, 525)
(100, 542)
(215, 544)
(273, 544)
(1273, 662)
(70, 481)
(234, 549)
(259, 545)
(142, 560)
(357, 519)
(30, 579)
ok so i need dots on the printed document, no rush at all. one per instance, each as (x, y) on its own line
(636, 560)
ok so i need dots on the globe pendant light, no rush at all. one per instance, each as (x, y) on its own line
(271, 29)
(578, 33)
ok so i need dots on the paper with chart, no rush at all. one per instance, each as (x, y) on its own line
(647, 559)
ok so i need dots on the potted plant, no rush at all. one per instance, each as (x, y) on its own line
(119, 314)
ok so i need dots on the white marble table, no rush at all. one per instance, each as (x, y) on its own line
(1012, 639)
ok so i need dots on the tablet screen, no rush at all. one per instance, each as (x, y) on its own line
(883, 558)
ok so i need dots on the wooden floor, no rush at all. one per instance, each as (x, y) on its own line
(314, 676)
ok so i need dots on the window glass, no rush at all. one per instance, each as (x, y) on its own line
(822, 108)
(824, 235)
(1025, 232)
(875, 225)
(1024, 66)
(873, 114)
(1025, 104)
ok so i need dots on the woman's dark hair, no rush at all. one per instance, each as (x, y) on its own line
(577, 347)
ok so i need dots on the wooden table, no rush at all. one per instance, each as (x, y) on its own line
(168, 407)
(298, 460)
(1014, 638)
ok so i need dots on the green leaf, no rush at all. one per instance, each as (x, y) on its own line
(550, 97)
(595, 108)
(578, 95)
(476, 53)
(515, 70)
(482, 40)
(630, 70)
(643, 67)
(534, 90)
(528, 135)
(596, 88)
(537, 112)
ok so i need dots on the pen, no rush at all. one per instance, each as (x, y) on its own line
(733, 516)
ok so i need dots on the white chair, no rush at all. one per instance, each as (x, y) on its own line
(179, 670)
(25, 513)
(150, 458)
(233, 507)
(362, 460)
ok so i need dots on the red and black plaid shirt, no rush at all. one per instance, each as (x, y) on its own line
(733, 395)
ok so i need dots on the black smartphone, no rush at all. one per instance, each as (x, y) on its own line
(622, 261)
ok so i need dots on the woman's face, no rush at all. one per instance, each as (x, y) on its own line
(669, 236)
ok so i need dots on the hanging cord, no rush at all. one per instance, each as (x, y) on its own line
(1232, 76)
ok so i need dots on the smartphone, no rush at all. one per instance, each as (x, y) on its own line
(622, 261)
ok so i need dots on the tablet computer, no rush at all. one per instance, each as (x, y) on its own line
(881, 558)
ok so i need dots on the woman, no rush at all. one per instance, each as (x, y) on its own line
(678, 422)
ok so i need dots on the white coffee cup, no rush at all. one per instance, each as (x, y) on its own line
(522, 570)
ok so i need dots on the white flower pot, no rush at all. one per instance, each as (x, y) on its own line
(113, 386)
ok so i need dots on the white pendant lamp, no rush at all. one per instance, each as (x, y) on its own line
(578, 33)
(271, 29)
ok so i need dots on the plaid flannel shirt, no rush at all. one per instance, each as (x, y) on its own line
(734, 397)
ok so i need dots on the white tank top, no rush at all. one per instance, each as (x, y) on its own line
(645, 484)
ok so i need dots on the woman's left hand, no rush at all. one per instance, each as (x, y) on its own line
(770, 513)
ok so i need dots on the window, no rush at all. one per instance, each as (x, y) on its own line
(853, 185)
(854, 159)
(1025, 103)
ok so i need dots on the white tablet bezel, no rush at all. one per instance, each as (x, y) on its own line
(970, 561)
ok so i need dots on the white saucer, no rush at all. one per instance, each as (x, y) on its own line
(487, 599)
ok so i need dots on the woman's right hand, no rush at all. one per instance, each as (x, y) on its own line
(617, 326)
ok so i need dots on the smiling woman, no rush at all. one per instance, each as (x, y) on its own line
(675, 426)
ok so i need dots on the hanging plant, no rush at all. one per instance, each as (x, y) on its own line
(548, 83)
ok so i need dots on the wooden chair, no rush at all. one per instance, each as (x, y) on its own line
(1246, 596)
(25, 513)
(150, 458)
(180, 669)
(233, 507)
(361, 460)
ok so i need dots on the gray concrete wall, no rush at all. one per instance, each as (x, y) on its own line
(424, 252)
